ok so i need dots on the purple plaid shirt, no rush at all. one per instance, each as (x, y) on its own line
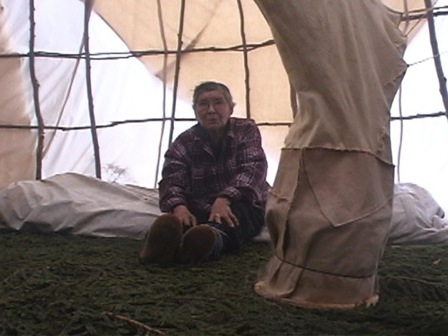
(194, 174)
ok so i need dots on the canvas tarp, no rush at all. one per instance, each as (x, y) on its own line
(82, 205)
(417, 218)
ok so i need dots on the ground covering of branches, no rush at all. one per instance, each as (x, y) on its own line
(67, 285)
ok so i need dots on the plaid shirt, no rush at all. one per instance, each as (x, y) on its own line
(195, 175)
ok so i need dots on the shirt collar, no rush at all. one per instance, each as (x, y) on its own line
(201, 134)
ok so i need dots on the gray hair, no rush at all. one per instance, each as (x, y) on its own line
(211, 86)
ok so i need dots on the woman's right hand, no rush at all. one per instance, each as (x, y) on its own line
(185, 216)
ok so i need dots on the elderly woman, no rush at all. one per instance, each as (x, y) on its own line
(213, 189)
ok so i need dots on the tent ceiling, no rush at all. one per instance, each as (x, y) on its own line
(259, 83)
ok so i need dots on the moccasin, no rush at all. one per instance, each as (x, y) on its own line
(162, 241)
(199, 243)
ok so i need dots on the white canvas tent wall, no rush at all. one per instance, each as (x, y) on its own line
(226, 40)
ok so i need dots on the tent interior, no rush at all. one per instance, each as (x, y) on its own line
(101, 88)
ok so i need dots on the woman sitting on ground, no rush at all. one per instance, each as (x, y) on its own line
(213, 189)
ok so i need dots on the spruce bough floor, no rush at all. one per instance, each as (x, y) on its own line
(68, 285)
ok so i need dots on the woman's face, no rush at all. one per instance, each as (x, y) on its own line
(212, 110)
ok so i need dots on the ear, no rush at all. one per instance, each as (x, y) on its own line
(231, 108)
(195, 113)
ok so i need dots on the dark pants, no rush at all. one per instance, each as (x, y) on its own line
(251, 221)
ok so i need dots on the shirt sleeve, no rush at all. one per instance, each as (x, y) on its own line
(249, 183)
(174, 178)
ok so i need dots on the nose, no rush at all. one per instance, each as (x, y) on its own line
(211, 108)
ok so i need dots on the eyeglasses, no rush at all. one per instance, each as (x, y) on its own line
(204, 104)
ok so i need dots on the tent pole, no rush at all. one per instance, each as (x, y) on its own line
(177, 73)
(88, 4)
(164, 74)
(436, 53)
(35, 83)
(246, 60)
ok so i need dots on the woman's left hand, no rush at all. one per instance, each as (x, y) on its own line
(221, 212)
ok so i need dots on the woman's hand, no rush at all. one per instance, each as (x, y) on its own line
(185, 216)
(221, 212)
